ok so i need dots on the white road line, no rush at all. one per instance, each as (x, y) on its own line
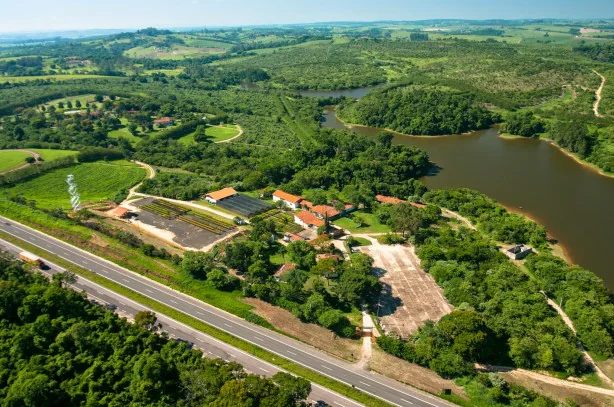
(366, 384)
(142, 280)
(326, 367)
(148, 290)
(228, 325)
(263, 369)
(407, 401)
(290, 352)
(173, 301)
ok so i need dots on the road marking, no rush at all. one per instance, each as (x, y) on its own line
(326, 367)
(339, 404)
(290, 352)
(228, 325)
(173, 301)
(200, 313)
(126, 280)
(366, 384)
(138, 278)
(263, 369)
(148, 290)
(407, 401)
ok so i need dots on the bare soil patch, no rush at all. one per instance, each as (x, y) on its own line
(410, 296)
(410, 373)
(311, 334)
(607, 367)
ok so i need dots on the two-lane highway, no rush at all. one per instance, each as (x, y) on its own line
(376, 385)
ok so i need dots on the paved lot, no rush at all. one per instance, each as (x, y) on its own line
(410, 296)
(182, 233)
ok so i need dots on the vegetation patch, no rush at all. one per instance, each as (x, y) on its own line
(12, 159)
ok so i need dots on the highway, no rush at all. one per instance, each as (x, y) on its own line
(210, 346)
(288, 348)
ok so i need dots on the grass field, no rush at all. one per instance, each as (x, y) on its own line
(12, 159)
(95, 181)
(50, 155)
(20, 79)
(73, 99)
(215, 133)
(368, 223)
(125, 133)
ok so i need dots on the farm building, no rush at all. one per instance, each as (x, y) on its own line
(396, 201)
(519, 252)
(291, 201)
(217, 196)
(119, 212)
(164, 122)
(308, 220)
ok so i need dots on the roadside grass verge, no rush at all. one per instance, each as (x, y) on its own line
(252, 349)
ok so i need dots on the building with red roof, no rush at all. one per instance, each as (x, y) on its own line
(291, 201)
(396, 201)
(164, 122)
(308, 220)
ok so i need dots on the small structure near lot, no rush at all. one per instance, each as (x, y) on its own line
(164, 122)
(217, 196)
(519, 252)
(308, 220)
(119, 212)
(291, 201)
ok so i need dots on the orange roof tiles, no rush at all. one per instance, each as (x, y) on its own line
(391, 200)
(309, 218)
(324, 210)
(287, 197)
(222, 193)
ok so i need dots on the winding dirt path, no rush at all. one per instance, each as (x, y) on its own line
(598, 95)
(232, 138)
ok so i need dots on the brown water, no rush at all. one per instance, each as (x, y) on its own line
(575, 203)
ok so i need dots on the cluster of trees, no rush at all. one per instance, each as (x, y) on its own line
(574, 136)
(584, 298)
(599, 51)
(475, 276)
(27, 66)
(405, 218)
(489, 217)
(419, 111)
(176, 185)
(523, 124)
(59, 349)
(335, 285)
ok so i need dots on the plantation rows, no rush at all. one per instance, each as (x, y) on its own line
(176, 212)
(282, 220)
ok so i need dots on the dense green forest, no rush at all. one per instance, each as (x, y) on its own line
(419, 112)
(59, 349)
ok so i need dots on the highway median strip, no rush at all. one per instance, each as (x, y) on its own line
(254, 350)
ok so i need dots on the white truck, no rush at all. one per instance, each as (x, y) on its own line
(31, 259)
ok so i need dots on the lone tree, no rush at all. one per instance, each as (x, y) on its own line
(147, 320)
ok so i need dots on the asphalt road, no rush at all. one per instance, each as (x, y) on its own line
(288, 348)
(211, 347)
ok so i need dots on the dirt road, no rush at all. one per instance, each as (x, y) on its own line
(598, 95)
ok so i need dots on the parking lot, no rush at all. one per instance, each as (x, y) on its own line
(410, 296)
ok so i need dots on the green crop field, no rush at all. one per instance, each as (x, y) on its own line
(12, 159)
(95, 182)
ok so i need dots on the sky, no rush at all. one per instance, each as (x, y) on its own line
(58, 15)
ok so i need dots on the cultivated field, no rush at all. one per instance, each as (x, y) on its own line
(410, 296)
(95, 182)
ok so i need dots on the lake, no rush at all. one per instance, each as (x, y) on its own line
(575, 203)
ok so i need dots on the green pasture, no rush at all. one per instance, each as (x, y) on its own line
(12, 159)
(95, 182)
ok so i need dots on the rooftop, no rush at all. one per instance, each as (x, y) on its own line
(222, 193)
(284, 269)
(324, 210)
(287, 197)
(309, 218)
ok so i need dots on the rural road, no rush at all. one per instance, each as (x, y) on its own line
(211, 347)
(288, 348)
(598, 95)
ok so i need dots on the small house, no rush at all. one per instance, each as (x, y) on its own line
(519, 252)
(308, 220)
(164, 122)
(396, 201)
(283, 270)
(291, 201)
(216, 196)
